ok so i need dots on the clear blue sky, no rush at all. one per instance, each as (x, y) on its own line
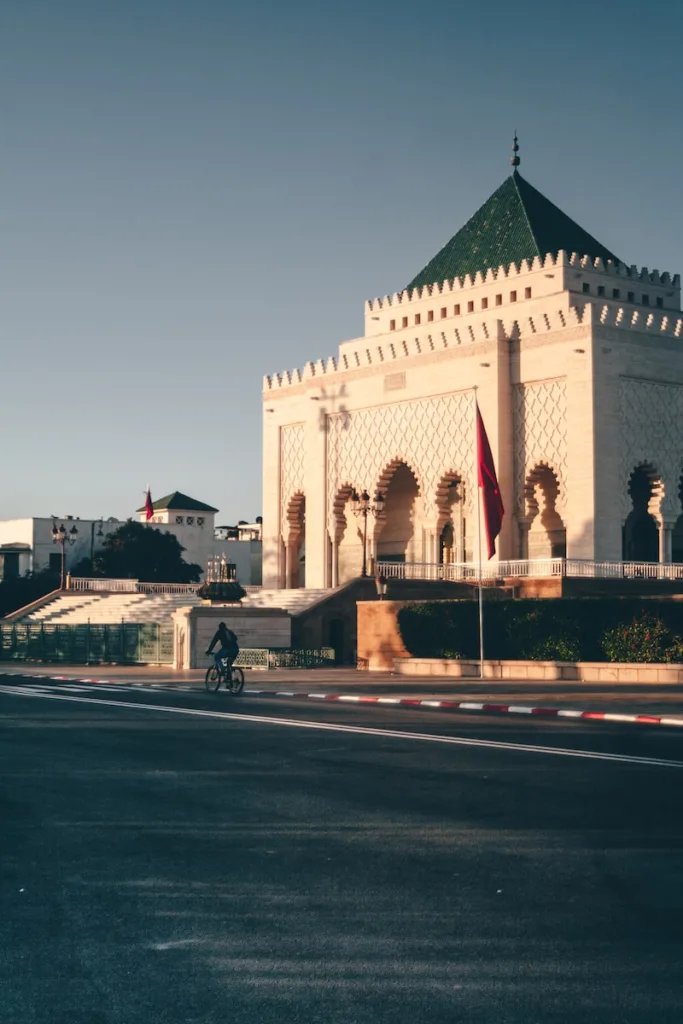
(197, 192)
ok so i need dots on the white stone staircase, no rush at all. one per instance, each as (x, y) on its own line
(72, 608)
(292, 601)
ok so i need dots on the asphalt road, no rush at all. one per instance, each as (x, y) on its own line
(171, 856)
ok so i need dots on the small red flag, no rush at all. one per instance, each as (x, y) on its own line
(492, 501)
(149, 507)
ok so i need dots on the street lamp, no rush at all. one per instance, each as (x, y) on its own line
(100, 533)
(61, 537)
(362, 506)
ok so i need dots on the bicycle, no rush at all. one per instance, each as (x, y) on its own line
(233, 679)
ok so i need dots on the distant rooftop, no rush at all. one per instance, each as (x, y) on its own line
(179, 502)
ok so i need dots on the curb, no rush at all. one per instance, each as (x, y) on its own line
(413, 702)
(467, 705)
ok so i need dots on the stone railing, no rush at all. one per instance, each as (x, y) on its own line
(468, 572)
(104, 586)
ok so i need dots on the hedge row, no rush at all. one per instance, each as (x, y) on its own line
(565, 629)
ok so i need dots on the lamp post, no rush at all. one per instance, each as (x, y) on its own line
(362, 506)
(100, 533)
(62, 537)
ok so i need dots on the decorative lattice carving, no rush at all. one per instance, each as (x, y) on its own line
(651, 435)
(433, 436)
(540, 423)
(292, 457)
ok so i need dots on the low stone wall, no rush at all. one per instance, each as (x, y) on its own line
(255, 627)
(581, 671)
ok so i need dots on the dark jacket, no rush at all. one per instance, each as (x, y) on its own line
(225, 637)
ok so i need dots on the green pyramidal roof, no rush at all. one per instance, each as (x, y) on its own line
(178, 500)
(517, 223)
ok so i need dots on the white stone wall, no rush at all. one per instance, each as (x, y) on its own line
(195, 627)
(37, 534)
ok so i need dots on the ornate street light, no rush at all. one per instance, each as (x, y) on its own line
(62, 537)
(362, 506)
(100, 533)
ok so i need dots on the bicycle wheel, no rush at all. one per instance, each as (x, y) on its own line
(212, 679)
(236, 684)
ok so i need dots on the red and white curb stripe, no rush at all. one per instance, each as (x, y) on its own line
(446, 705)
(468, 705)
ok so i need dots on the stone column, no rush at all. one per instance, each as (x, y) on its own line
(290, 558)
(334, 575)
(523, 527)
(665, 535)
(591, 457)
(316, 493)
(272, 562)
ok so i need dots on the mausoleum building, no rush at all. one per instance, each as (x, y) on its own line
(576, 361)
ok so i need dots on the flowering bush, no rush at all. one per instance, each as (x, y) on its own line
(646, 638)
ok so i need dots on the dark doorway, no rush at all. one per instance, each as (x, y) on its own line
(11, 565)
(335, 639)
(641, 535)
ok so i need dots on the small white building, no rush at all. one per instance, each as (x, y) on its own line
(193, 523)
(26, 545)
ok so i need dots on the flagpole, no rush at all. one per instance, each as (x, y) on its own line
(481, 590)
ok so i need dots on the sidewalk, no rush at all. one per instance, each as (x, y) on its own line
(578, 699)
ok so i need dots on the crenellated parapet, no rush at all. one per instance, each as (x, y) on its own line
(370, 353)
(550, 262)
(456, 285)
(642, 320)
(386, 352)
(635, 273)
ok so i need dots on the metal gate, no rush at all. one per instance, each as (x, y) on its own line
(126, 643)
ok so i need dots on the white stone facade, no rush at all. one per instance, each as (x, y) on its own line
(26, 545)
(578, 371)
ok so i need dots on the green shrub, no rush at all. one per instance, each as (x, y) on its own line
(562, 629)
(431, 630)
(643, 639)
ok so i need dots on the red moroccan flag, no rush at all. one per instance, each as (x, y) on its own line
(149, 507)
(492, 501)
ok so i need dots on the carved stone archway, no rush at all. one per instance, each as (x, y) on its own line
(295, 542)
(677, 530)
(347, 538)
(543, 532)
(641, 530)
(454, 531)
(396, 536)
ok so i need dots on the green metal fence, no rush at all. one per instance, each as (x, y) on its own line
(322, 657)
(130, 643)
(263, 658)
(123, 643)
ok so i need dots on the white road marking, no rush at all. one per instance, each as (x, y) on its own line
(357, 730)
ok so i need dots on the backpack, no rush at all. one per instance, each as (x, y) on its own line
(231, 639)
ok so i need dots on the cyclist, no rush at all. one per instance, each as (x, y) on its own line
(228, 648)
